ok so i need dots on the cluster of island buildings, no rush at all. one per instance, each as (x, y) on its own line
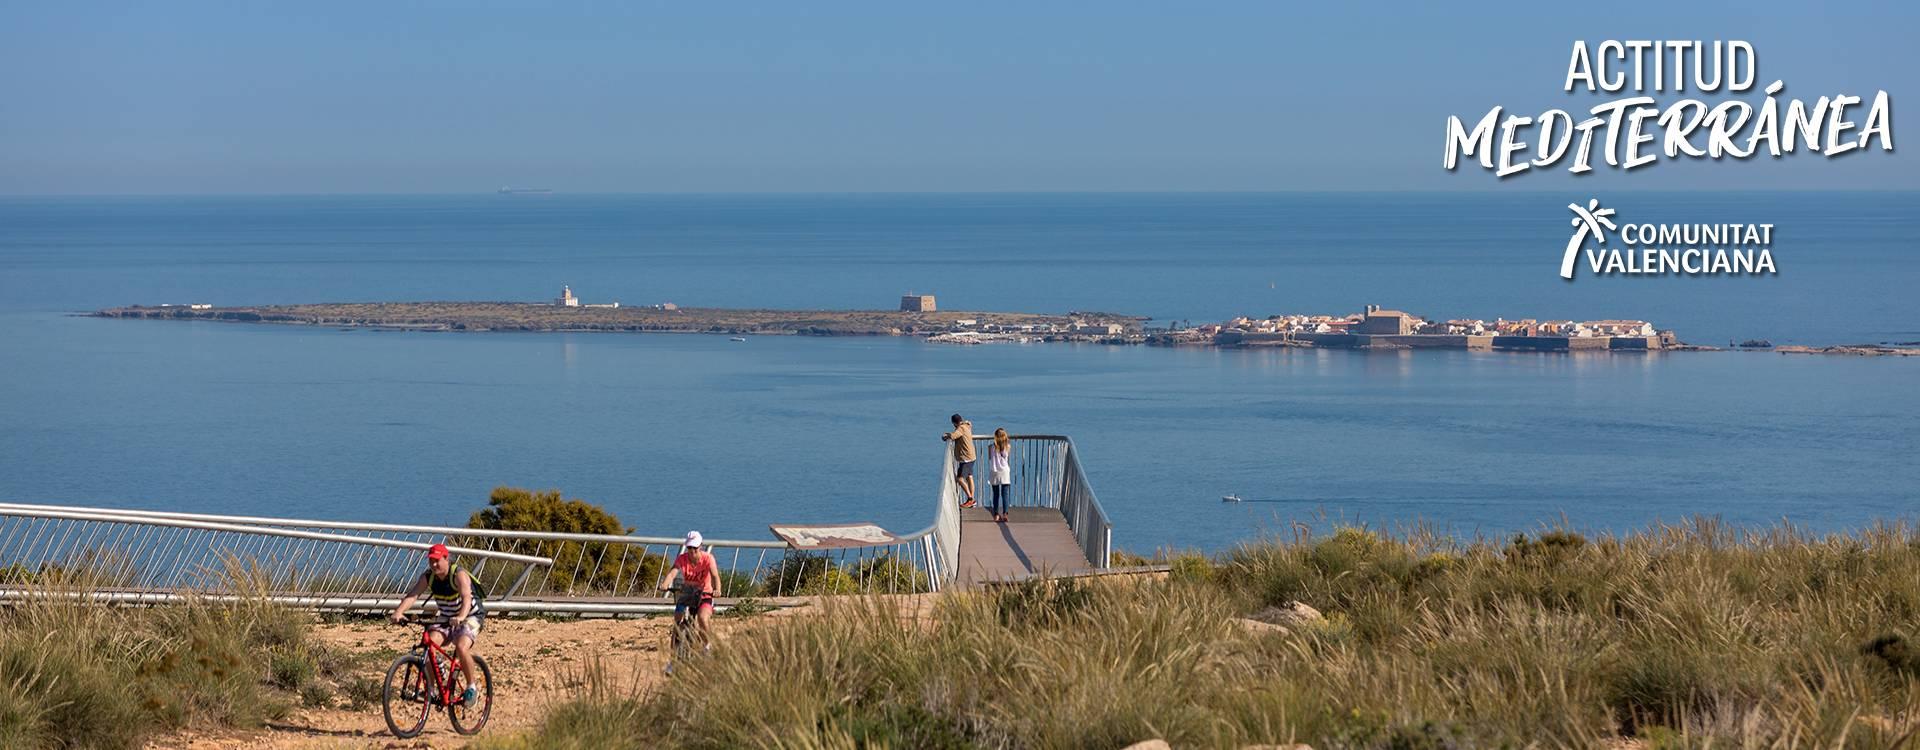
(918, 315)
(566, 299)
(1378, 328)
(1372, 328)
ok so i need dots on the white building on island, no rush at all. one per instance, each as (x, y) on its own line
(566, 299)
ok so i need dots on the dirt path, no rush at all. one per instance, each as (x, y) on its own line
(535, 663)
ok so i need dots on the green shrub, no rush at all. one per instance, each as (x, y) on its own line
(791, 574)
(828, 581)
(578, 567)
(1190, 567)
(1550, 548)
(745, 608)
(804, 574)
(290, 671)
(316, 695)
(886, 574)
(362, 693)
(734, 583)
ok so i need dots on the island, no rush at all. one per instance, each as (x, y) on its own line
(1373, 328)
(664, 318)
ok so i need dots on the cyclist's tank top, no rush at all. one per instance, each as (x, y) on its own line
(447, 595)
(697, 569)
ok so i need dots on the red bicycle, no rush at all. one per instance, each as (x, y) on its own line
(428, 677)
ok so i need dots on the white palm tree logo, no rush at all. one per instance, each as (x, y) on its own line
(1586, 221)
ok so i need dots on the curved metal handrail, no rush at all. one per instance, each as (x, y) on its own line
(118, 550)
(1047, 474)
(456, 531)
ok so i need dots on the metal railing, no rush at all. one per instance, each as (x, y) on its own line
(596, 566)
(1046, 473)
(582, 567)
(144, 555)
(129, 555)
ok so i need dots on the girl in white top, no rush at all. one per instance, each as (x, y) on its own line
(1000, 473)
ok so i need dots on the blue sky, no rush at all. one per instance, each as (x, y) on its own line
(652, 97)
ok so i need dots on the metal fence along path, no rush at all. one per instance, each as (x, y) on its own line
(128, 555)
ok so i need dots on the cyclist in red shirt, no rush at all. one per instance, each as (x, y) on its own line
(696, 567)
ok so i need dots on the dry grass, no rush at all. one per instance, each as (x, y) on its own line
(1687, 636)
(84, 675)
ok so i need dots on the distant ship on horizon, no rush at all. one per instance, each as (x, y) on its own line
(525, 191)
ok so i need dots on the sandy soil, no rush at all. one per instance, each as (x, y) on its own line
(535, 663)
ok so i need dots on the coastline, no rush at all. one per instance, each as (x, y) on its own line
(946, 327)
(531, 317)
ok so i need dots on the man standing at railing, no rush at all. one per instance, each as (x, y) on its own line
(963, 456)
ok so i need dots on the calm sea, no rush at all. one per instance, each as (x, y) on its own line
(675, 431)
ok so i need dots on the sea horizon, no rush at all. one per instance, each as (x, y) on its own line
(242, 419)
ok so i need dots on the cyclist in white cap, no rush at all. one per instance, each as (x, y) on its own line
(696, 567)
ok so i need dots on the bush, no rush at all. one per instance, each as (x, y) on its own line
(578, 567)
(734, 583)
(790, 576)
(1191, 567)
(886, 574)
(828, 581)
(362, 693)
(525, 510)
(745, 608)
(803, 574)
(316, 695)
(290, 671)
(1551, 548)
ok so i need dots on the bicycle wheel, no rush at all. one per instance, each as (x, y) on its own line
(677, 636)
(403, 698)
(468, 718)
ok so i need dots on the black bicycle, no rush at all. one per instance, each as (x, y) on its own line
(685, 633)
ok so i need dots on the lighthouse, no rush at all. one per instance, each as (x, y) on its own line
(566, 298)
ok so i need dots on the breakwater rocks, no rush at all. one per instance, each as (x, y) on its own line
(1855, 350)
(516, 316)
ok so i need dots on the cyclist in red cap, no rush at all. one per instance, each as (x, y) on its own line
(460, 603)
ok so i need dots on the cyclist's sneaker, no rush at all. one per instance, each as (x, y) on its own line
(470, 695)
(969, 503)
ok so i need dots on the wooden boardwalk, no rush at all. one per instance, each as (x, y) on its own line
(1032, 541)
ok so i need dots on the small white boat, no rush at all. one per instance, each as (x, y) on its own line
(1230, 498)
(738, 338)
